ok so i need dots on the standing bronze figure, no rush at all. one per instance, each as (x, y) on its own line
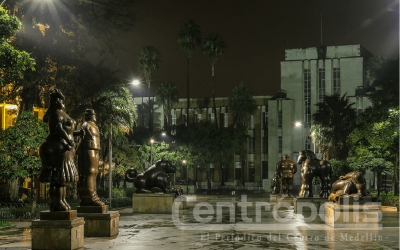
(57, 153)
(352, 184)
(88, 161)
(311, 167)
(286, 171)
(277, 181)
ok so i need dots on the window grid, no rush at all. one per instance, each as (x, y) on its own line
(251, 122)
(184, 120)
(265, 145)
(307, 142)
(321, 84)
(280, 119)
(336, 81)
(265, 120)
(198, 118)
(307, 98)
(173, 119)
(211, 118)
(251, 145)
(279, 144)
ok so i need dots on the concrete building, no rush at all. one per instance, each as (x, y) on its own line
(307, 75)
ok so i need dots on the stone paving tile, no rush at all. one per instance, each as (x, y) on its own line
(153, 231)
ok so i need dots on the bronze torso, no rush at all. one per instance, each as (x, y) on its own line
(91, 140)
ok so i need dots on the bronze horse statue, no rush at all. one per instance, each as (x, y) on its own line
(310, 168)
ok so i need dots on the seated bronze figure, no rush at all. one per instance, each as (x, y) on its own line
(154, 178)
(352, 184)
(312, 167)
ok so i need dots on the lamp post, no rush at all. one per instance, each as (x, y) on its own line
(151, 154)
(187, 178)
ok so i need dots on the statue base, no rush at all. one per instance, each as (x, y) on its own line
(64, 215)
(352, 216)
(101, 224)
(274, 197)
(58, 234)
(157, 203)
(285, 198)
(92, 209)
(348, 200)
(306, 204)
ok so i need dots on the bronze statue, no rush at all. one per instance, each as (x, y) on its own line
(311, 167)
(57, 153)
(287, 169)
(352, 184)
(154, 178)
(88, 161)
(277, 181)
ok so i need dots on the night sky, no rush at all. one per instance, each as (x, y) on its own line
(257, 32)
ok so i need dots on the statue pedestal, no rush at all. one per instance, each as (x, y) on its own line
(352, 216)
(54, 233)
(274, 197)
(307, 204)
(99, 222)
(157, 203)
(287, 199)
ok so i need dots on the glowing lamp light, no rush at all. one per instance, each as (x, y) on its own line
(297, 124)
(163, 134)
(151, 141)
(184, 161)
(135, 82)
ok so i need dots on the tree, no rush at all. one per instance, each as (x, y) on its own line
(167, 96)
(375, 143)
(189, 37)
(213, 46)
(19, 151)
(242, 105)
(332, 124)
(148, 60)
(12, 61)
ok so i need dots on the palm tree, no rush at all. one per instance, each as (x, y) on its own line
(148, 60)
(242, 105)
(167, 95)
(189, 37)
(332, 125)
(213, 46)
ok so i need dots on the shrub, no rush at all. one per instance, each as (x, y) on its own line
(130, 191)
(118, 192)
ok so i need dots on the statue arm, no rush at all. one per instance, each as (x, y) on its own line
(63, 134)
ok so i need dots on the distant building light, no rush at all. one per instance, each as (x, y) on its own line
(11, 106)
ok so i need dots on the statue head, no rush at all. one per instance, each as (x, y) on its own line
(90, 115)
(287, 157)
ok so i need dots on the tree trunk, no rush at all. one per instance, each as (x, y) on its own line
(13, 188)
(396, 176)
(188, 98)
(213, 93)
(208, 179)
(379, 180)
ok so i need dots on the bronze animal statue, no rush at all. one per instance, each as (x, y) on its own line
(154, 178)
(286, 170)
(312, 167)
(352, 184)
(57, 152)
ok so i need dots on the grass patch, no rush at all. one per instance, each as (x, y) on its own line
(5, 224)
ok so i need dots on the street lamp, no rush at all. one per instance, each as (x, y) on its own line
(187, 178)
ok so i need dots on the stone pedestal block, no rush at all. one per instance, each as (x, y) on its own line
(274, 197)
(307, 203)
(58, 234)
(155, 203)
(92, 209)
(286, 199)
(101, 224)
(352, 216)
(64, 215)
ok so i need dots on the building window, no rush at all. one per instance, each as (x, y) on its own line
(264, 169)
(321, 84)
(238, 170)
(307, 143)
(251, 145)
(265, 120)
(198, 118)
(336, 81)
(280, 119)
(184, 120)
(279, 144)
(225, 120)
(211, 118)
(265, 145)
(251, 125)
(173, 119)
(307, 98)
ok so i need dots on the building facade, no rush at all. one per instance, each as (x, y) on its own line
(307, 75)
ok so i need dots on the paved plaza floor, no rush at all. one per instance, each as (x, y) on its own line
(231, 228)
